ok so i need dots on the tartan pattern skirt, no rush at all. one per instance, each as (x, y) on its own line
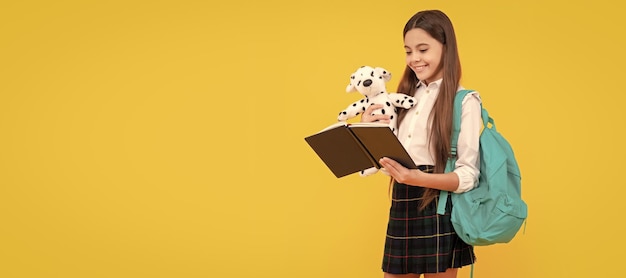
(421, 241)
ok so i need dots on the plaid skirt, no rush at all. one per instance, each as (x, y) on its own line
(421, 241)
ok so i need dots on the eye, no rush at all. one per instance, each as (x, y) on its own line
(423, 50)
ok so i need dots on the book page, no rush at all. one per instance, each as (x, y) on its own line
(358, 124)
(368, 125)
(338, 124)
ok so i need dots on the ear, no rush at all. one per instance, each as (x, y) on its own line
(351, 88)
(384, 73)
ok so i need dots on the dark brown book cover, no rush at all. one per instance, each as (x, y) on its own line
(350, 148)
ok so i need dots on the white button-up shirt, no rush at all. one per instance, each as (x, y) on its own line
(415, 127)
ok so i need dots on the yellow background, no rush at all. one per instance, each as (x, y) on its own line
(165, 138)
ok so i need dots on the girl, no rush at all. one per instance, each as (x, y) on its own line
(419, 241)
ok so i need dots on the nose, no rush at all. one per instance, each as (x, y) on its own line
(416, 57)
(367, 82)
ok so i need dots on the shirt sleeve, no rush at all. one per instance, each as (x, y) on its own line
(467, 165)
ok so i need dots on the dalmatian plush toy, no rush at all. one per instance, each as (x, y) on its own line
(371, 83)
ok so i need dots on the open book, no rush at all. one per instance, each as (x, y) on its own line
(348, 148)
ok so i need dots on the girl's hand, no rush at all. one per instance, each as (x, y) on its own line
(399, 172)
(367, 116)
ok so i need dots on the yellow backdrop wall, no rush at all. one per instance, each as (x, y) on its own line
(165, 138)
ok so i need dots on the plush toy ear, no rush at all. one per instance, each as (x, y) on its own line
(351, 88)
(384, 73)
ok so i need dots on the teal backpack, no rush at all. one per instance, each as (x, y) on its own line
(492, 212)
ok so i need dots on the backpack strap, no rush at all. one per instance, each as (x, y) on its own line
(456, 128)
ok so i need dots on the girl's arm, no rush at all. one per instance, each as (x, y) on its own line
(467, 165)
(466, 172)
(447, 181)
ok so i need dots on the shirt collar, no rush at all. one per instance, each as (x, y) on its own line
(435, 84)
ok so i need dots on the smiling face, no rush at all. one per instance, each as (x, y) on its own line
(423, 55)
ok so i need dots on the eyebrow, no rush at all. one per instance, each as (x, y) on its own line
(418, 45)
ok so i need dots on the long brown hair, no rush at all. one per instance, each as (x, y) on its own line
(437, 25)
